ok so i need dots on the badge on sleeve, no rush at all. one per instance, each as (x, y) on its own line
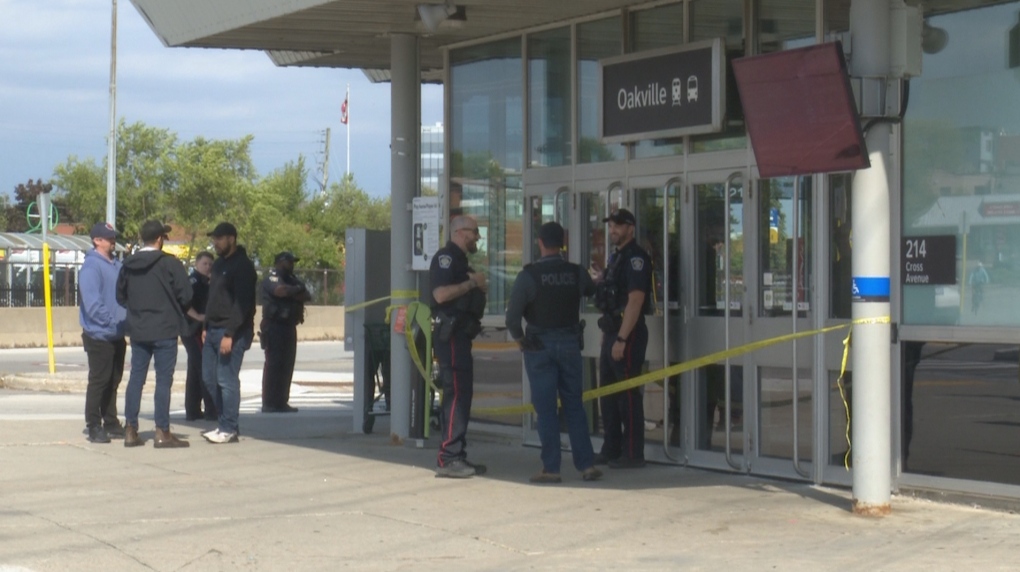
(274, 278)
(445, 261)
(637, 263)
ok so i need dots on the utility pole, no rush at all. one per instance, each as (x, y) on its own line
(325, 166)
(111, 154)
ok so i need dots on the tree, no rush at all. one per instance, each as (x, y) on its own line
(81, 185)
(24, 195)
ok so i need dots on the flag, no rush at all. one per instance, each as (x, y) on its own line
(343, 112)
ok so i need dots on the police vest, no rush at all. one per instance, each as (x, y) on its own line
(557, 302)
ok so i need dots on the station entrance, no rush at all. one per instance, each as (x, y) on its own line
(737, 260)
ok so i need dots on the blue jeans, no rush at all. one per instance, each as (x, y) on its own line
(164, 353)
(220, 374)
(555, 371)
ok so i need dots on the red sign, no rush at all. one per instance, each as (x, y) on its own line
(399, 320)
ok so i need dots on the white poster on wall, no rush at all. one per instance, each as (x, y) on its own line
(424, 231)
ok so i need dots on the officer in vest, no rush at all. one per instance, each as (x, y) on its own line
(548, 295)
(458, 294)
(622, 294)
(283, 298)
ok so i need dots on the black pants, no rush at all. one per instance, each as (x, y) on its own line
(278, 372)
(456, 370)
(195, 392)
(106, 368)
(623, 413)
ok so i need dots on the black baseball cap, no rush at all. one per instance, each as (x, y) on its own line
(286, 255)
(621, 216)
(152, 230)
(223, 229)
(551, 235)
(103, 230)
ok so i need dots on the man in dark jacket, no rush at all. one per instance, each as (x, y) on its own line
(154, 288)
(229, 329)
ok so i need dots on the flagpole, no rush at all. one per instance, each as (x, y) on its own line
(347, 99)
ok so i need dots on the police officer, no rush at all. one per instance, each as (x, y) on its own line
(548, 294)
(622, 294)
(458, 294)
(195, 392)
(283, 298)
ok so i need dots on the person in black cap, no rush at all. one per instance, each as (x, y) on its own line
(102, 324)
(547, 293)
(155, 289)
(229, 329)
(622, 295)
(283, 298)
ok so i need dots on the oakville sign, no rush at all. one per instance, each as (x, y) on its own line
(663, 93)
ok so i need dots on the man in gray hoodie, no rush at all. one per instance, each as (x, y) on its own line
(155, 289)
(102, 324)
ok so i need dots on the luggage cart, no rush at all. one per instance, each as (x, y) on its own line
(377, 373)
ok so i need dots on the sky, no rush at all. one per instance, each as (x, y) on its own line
(55, 96)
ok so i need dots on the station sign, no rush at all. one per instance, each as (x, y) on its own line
(662, 93)
(928, 260)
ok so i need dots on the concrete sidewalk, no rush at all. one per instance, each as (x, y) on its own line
(306, 492)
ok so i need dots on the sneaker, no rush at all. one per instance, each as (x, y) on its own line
(545, 478)
(625, 463)
(479, 468)
(206, 434)
(603, 459)
(591, 474)
(98, 435)
(219, 437)
(455, 470)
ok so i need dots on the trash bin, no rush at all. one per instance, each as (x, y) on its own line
(377, 373)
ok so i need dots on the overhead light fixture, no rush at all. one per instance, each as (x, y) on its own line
(933, 39)
(433, 15)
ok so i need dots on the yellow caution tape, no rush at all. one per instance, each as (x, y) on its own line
(396, 295)
(679, 368)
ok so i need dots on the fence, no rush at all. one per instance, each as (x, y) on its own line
(22, 285)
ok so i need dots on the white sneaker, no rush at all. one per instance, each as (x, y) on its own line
(219, 437)
(210, 432)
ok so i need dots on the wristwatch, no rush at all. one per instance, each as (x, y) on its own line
(619, 339)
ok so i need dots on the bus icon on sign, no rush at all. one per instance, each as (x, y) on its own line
(692, 88)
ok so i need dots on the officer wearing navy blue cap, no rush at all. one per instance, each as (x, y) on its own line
(283, 298)
(623, 294)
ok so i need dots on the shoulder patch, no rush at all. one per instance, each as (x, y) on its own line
(637, 263)
(274, 278)
(445, 261)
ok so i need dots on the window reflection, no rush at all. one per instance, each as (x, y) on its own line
(595, 41)
(712, 220)
(648, 211)
(785, 242)
(593, 254)
(550, 96)
(840, 281)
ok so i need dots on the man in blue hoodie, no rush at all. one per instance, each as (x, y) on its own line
(102, 324)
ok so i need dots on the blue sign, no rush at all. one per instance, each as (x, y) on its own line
(870, 289)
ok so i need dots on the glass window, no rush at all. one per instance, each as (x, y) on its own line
(712, 241)
(658, 27)
(785, 242)
(595, 41)
(549, 97)
(553, 207)
(648, 211)
(840, 278)
(785, 24)
(837, 15)
(711, 428)
(594, 247)
(486, 143)
(961, 168)
(714, 19)
(775, 388)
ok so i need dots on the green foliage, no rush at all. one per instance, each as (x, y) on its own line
(193, 185)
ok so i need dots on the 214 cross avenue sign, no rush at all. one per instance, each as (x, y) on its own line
(663, 93)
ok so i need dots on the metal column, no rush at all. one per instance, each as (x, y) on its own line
(405, 112)
(870, 355)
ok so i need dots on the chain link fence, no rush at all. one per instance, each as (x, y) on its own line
(22, 285)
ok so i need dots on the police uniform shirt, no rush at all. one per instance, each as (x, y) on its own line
(449, 267)
(633, 272)
(269, 283)
(553, 301)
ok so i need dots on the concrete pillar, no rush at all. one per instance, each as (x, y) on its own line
(405, 131)
(870, 354)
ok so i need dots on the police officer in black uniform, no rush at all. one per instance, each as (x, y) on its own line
(283, 298)
(195, 392)
(458, 294)
(623, 295)
(548, 295)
